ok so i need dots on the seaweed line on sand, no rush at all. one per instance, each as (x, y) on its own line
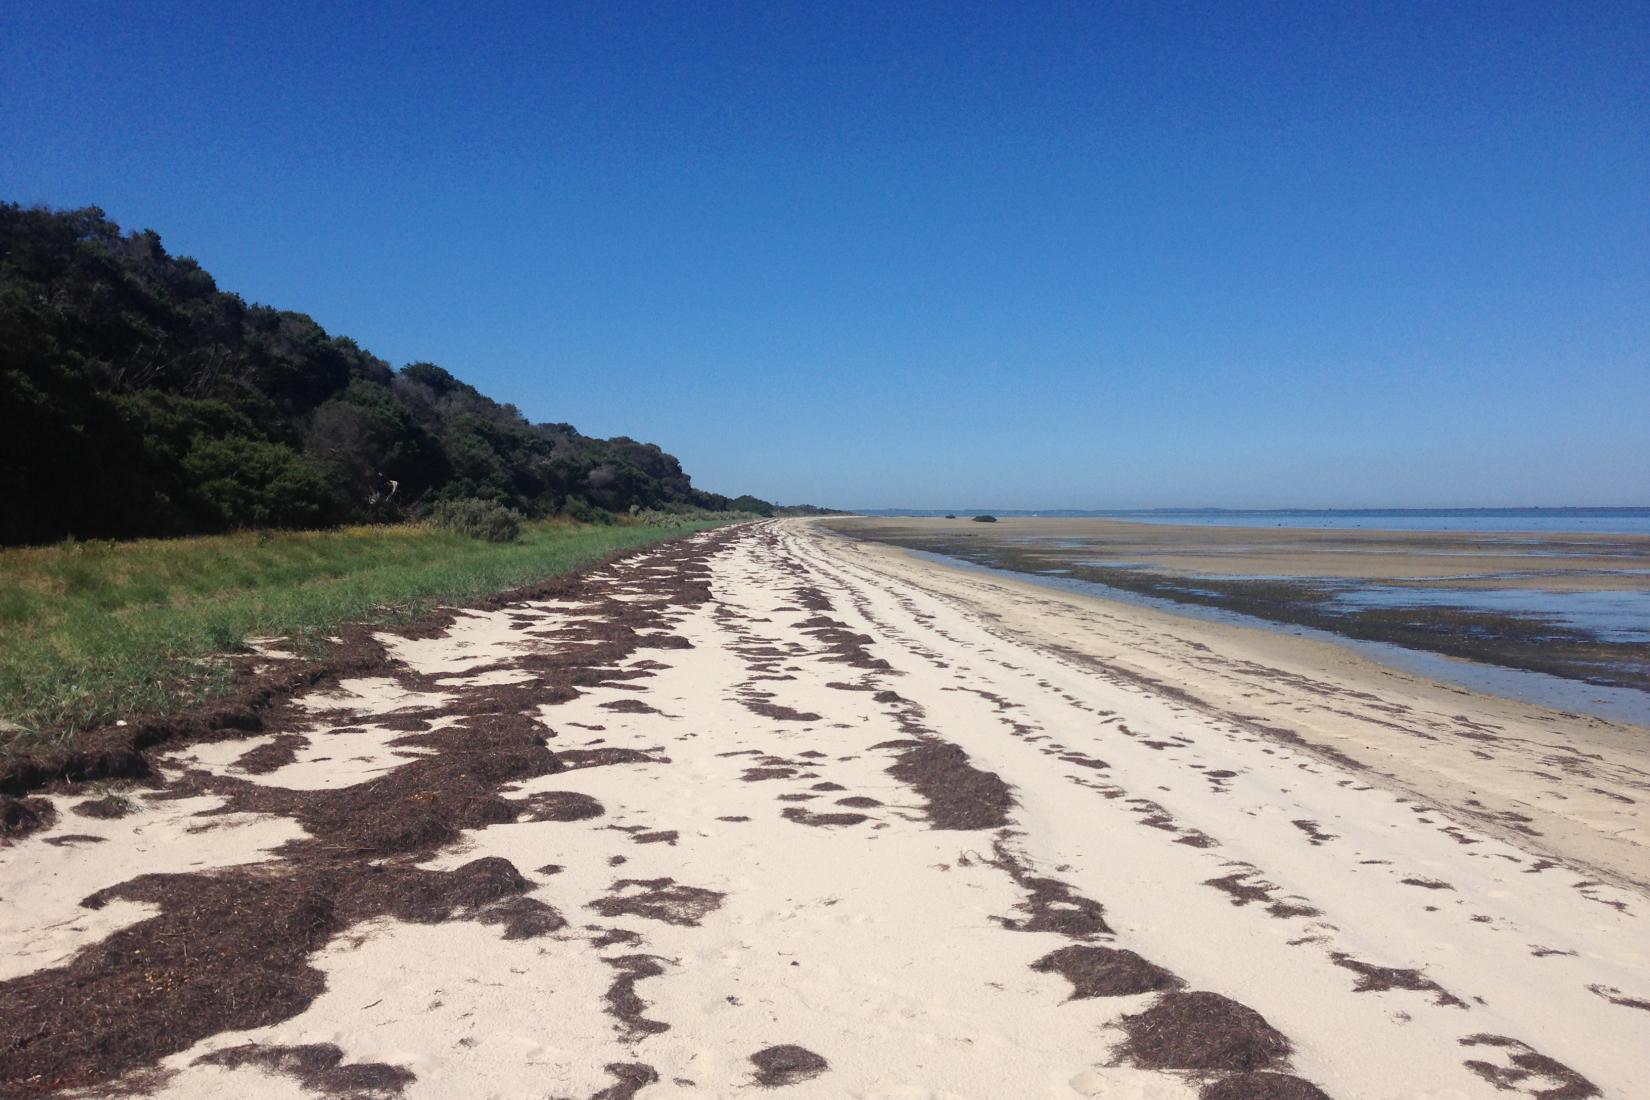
(231, 949)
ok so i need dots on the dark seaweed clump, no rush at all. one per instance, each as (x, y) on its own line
(1105, 971)
(1202, 1031)
(787, 1065)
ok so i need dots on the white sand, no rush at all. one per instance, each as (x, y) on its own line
(877, 944)
(42, 922)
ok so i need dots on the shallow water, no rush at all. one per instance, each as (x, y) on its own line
(1556, 692)
(1607, 616)
(1618, 521)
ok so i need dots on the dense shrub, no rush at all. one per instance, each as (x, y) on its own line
(241, 482)
(669, 517)
(136, 398)
(985, 519)
(582, 511)
(480, 519)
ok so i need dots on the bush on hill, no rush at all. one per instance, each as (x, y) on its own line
(137, 398)
(480, 519)
(581, 510)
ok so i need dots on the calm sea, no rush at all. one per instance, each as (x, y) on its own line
(1619, 521)
(1616, 521)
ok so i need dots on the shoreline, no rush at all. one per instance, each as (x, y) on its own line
(1543, 689)
(1323, 696)
(1576, 607)
(766, 806)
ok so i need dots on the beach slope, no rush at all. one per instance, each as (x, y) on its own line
(770, 808)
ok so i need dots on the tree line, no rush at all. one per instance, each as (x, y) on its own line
(136, 398)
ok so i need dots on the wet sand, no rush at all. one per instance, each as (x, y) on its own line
(775, 809)
(1575, 606)
(1559, 561)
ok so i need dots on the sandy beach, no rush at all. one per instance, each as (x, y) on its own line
(1572, 607)
(771, 808)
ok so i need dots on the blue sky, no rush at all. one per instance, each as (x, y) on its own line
(1085, 255)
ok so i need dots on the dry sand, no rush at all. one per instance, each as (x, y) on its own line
(825, 818)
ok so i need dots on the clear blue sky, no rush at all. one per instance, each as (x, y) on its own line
(1085, 255)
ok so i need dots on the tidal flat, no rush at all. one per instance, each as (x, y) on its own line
(1567, 604)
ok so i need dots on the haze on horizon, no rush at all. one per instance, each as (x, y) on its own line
(1026, 257)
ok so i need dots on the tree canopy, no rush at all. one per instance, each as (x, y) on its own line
(139, 399)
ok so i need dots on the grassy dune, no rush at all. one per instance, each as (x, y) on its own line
(91, 632)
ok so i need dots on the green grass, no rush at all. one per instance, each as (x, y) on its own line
(91, 632)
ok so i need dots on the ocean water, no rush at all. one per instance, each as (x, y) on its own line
(1614, 521)
(1608, 616)
(1617, 704)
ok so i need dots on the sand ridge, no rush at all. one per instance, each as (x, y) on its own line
(814, 816)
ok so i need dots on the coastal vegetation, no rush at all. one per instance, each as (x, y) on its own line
(92, 632)
(139, 399)
(269, 479)
(480, 519)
